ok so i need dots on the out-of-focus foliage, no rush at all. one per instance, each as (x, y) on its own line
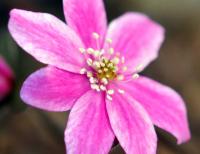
(26, 130)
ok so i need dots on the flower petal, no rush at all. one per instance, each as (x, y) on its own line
(137, 38)
(131, 125)
(47, 39)
(5, 86)
(53, 89)
(165, 107)
(86, 17)
(6, 77)
(5, 69)
(88, 129)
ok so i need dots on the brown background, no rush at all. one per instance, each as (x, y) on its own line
(30, 131)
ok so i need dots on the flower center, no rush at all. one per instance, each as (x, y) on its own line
(103, 67)
(107, 69)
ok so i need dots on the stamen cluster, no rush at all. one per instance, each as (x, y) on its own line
(103, 67)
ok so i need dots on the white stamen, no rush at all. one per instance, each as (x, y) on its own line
(121, 91)
(135, 76)
(90, 51)
(95, 35)
(89, 74)
(89, 61)
(102, 64)
(139, 68)
(93, 80)
(107, 75)
(120, 77)
(100, 71)
(110, 92)
(111, 51)
(83, 71)
(105, 69)
(109, 40)
(104, 81)
(82, 50)
(109, 97)
(96, 53)
(115, 60)
(102, 87)
(124, 68)
(95, 87)
(97, 64)
(110, 65)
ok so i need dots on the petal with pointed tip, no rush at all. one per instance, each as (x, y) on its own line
(131, 125)
(137, 38)
(86, 17)
(88, 130)
(53, 89)
(165, 107)
(47, 39)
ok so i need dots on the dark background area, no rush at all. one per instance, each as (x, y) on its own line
(26, 130)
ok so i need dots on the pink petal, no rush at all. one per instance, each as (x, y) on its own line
(88, 129)
(86, 17)
(5, 86)
(5, 69)
(165, 107)
(47, 39)
(6, 77)
(131, 125)
(53, 89)
(137, 38)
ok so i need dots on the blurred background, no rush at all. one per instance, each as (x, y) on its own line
(26, 130)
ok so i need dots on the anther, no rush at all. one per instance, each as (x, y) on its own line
(105, 69)
(111, 51)
(115, 60)
(139, 68)
(110, 65)
(104, 81)
(83, 71)
(109, 97)
(89, 74)
(102, 87)
(93, 80)
(110, 92)
(135, 76)
(96, 64)
(109, 40)
(100, 71)
(124, 68)
(95, 35)
(121, 91)
(95, 87)
(107, 75)
(82, 50)
(89, 61)
(96, 53)
(102, 64)
(120, 77)
(90, 51)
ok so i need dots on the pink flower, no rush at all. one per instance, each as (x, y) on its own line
(6, 77)
(93, 70)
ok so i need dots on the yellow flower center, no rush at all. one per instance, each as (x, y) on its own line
(106, 70)
(103, 67)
